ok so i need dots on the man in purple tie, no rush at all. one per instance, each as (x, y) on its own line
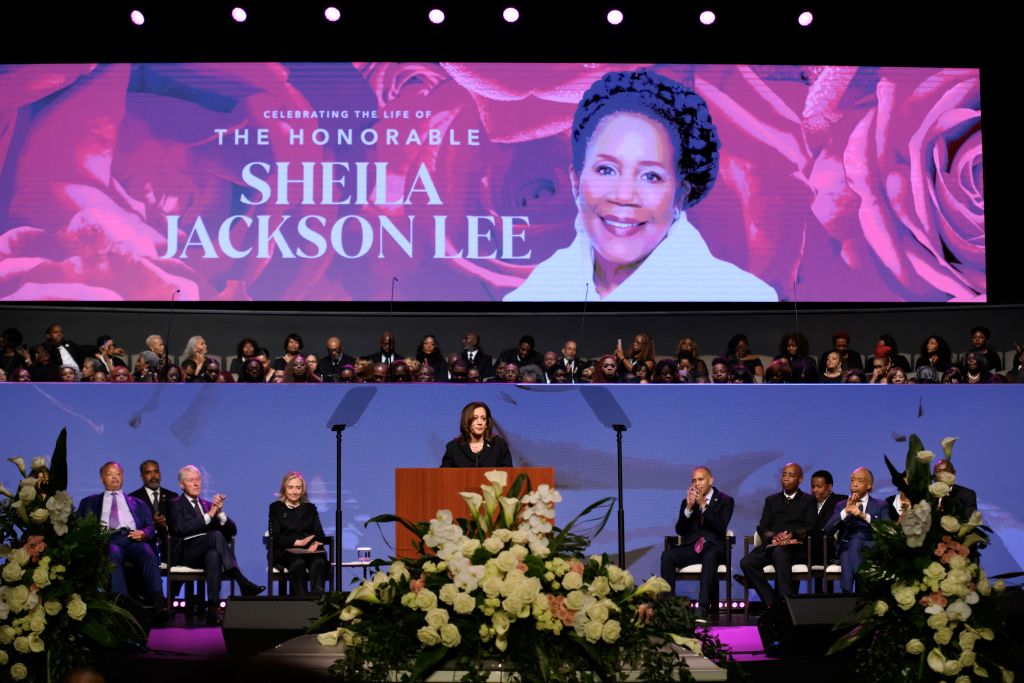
(704, 518)
(200, 536)
(131, 530)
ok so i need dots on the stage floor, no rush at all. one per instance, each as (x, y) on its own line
(192, 653)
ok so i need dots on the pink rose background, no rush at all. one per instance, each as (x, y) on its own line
(835, 183)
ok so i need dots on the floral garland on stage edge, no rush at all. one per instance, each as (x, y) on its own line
(53, 615)
(506, 589)
(927, 611)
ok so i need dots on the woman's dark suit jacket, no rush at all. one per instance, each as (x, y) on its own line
(494, 454)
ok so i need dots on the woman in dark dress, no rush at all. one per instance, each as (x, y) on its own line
(245, 350)
(794, 348)
(476, 445)
(429, 352)
(936, 353)
(738, 351)
(252, 372)
(297, 537)
(641, 351)
(689, 350)
(834, 369)
(976, 369)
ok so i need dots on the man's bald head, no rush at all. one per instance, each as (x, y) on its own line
(792, 475)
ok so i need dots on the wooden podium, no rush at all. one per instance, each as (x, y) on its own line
(421, 492)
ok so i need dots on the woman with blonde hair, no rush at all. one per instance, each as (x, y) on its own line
(297, 538)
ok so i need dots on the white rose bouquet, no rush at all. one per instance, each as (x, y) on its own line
(55, 612)
(927, 612)
(506, 587)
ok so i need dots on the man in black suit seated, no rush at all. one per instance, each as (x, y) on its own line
(961, 496)
(386, 354)
(329, 367)
(825, 502)
(158, 500)
(131, 531)
(201, 531)
(785, 520)
(522, 354)
(475, 357)
(62, 352)
(704, 518)
(569, 362)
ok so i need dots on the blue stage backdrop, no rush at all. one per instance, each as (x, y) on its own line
(244, 438)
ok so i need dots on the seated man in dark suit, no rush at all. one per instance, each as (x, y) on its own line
(962, 496)
(158, 500)
(853, 522)
(704, 518)
(568, 361)
(200, 532)
(330, 366)
(131, 529)
(825, 500)
(786, 518)
(522, 354)
(475, 357)
(387, 354)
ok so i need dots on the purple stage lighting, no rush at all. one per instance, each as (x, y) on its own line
(615, 17)
(707, 17)
(138, 18)
(332, 14)
(805, 19)
(511, 15)
(239, 15)
(436, 16)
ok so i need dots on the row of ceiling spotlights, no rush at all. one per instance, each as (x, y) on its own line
(509, 14)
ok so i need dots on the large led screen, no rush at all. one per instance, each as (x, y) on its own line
(490, 182)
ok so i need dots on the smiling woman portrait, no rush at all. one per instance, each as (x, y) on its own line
(644, 149)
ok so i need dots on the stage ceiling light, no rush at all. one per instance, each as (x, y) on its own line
(511, 15)
(138, 18)
(615, 17)
(239, 15)
(805, 18)
(332, 14)
(436, 16)
(707, 17)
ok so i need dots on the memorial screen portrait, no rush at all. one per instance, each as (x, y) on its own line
(490, 182)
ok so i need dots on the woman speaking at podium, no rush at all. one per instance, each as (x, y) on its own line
(476, 445)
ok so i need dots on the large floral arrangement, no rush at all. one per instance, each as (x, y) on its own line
(928, 611)
(507, 588)
(53, 615)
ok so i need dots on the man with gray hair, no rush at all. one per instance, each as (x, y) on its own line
(200, 536)
(853, 524)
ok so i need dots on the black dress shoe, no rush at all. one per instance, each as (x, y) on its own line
(741, 580)
(214, 616)
(161, 616)
(249, 589)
